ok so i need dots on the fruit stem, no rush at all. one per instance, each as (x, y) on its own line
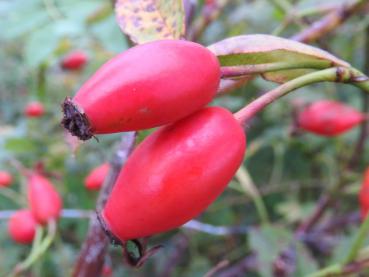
(335, 74)
(38, 248)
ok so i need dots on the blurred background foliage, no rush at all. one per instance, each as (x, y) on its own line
(290, 172)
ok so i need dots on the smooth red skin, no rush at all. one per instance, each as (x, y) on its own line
(22, 227)
(329, 118)
(5, 179)
(45, 202)
(149, 85)
(96, 177)
(175, 173)
(34, 109)
(364, 195)
(74, 61)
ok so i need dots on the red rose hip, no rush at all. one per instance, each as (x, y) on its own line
(329, 118)
(22, 227)
(96, 177)
(74, 60)
(146, 86)
(174, 174)
(5, 179)
(34, 109)
(44, 201)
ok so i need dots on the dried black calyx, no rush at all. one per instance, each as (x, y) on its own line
(75, 121)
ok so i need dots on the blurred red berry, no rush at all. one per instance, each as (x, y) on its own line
(45, 202)
(5, 179)
(329, 118)
(74, 61)
(34, 109)
(96, 177)
(22, 227)
(107, 271)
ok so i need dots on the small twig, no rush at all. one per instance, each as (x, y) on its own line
(247, 264)
(219, 266)
(328, 23)
(209, 14)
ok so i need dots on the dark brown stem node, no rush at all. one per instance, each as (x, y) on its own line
(76, 121)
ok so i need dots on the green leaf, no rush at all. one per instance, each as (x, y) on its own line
(268, 242)
(305, 264)
(149, 20)
(266, 49)
(109, 35)
(20, 17)
(19, 145)
(40, 46)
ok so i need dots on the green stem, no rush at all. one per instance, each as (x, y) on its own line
(41, 81)
(358, 242)
(335, 74)
(333, 269)
(38, 249)
(249, 187)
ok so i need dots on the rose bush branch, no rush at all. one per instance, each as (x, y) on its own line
(91, 258)
(329, 22)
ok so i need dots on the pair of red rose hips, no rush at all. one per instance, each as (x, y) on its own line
(44, 205)
(178, 170)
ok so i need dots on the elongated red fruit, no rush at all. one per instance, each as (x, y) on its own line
(146, 86)
(44, 201)
(364, 195)
(96, 178)
(5, 179)
(22, 227)
(329, 118)
(174, 174)
(34, 109)
(74, 60)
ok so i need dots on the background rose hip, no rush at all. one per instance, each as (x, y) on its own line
(22, 227)
(74, 61)
(174, 174)
(6, 178)
(96, 177)
(44, 201)
(34, 109)
(329, 118)
(146, 86)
